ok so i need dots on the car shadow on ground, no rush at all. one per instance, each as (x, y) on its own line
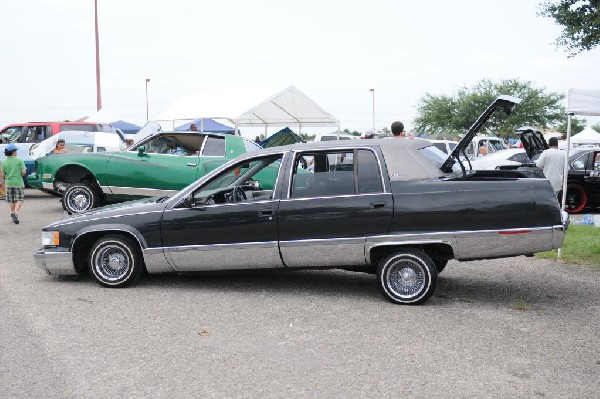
(524, 294)
(451, 289)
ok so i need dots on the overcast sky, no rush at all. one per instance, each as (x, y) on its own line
(333, 51)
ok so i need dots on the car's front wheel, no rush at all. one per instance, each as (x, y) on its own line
(80, 197)
(407, 276)
(115, 261)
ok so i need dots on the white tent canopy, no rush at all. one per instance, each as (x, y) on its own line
(288, 107)
(586, 136)
(250, 107)
(584, 102)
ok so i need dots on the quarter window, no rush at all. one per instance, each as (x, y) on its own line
(214, 147)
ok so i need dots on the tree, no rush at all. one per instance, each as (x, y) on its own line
(580, 20)
(596, 127)
(456, 114)
(577, 125)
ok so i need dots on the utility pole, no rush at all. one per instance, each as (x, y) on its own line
(373, 91)
(98, 93)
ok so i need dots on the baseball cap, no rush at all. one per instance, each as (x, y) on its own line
(11, 147)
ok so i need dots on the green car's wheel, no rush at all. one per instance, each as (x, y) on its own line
(80, 197)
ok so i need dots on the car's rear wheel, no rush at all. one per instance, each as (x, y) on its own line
(576, 199)
(80, 197)
(115, 261)
(407, 276)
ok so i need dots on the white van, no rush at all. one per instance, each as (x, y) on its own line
(335, 136)
(492, 143)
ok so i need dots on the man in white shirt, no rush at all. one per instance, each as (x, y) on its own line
(552, 162)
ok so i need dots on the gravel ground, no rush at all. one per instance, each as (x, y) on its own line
(509, 328)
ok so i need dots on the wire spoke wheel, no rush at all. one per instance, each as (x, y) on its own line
(112, 262)
(115, 261)
(407, 277)
(79, 198)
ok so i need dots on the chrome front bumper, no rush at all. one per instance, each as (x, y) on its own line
(54, 261)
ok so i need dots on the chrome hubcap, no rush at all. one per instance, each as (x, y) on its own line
(112, 262)
(406, 278)
(79, 200)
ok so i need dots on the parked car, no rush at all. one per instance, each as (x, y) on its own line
(335, 136)
(583, 185)
(160, 164)
(583, 181)
(445, 146)
(491, 143)
(77, 141)
(400, 209)
(24, 135)
(516, 157)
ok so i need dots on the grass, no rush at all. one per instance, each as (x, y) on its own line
(581, 246)
(520, 306)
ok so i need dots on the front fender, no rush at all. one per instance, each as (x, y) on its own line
(108, 228)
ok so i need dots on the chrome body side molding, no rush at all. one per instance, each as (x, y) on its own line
(139, 191)
(235, 256)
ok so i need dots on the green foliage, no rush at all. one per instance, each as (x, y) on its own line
(577, 125)
(456, 114)
(354, 132)
(596, 127)
(580, 20)
(581, 246)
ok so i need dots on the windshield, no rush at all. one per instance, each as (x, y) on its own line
(437, 156)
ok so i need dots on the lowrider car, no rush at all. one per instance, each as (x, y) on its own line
(159, 165)
(396, 208)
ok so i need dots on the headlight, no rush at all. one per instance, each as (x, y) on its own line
(50, 238)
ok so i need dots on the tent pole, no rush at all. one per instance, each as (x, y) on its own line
(566, 172)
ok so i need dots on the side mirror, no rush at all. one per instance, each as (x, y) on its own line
(141, 151)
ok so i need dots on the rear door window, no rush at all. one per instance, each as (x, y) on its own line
(334, 173)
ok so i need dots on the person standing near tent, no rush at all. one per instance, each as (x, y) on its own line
(552, 163)
(398, 130)
(12, 171)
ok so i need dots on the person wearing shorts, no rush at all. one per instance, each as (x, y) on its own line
(12, 172)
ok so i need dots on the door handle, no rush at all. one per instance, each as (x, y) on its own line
(192, 164)
(266, 212)
(377, 205)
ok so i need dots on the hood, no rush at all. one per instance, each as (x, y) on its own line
(504, 102)
(282, 137)
(150, 204)
(533, 140)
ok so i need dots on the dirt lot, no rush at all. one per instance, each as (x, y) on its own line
(509, 328)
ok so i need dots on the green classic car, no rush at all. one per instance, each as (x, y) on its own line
(159, 165)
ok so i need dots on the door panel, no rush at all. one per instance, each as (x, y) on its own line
(230, 222)
(218, 237)
(155, 171)
(331, 208)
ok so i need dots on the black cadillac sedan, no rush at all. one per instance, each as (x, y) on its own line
(396, 208)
